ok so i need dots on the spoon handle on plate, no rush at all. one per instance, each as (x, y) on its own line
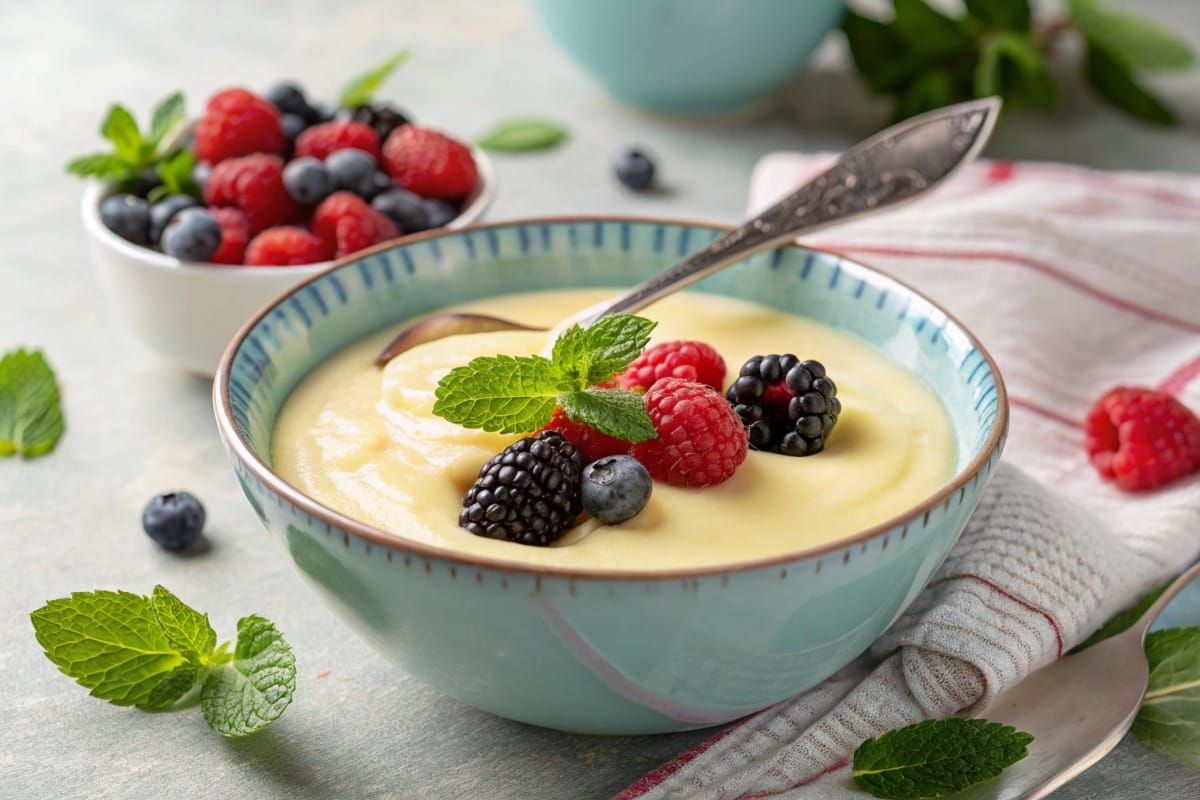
(894, 166)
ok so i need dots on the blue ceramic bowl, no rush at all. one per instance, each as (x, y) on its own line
(618, 652)
(690, 56)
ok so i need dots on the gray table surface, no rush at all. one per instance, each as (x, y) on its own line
(359, 728)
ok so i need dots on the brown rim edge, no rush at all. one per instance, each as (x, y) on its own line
(267, 476)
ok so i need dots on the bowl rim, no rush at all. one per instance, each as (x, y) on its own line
(240, 448)
(97, 190)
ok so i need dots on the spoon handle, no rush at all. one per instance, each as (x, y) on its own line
(894, 166)
(1143, 624)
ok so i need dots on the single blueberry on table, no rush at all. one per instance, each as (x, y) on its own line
(193, 235)
(634, 169)
(128, 217)
(404, 208)
(352, 170)
(174, 520)
(615, 488)
(162, 212)
(307, 180)
(440, 213)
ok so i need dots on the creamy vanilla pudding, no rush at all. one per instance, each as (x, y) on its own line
(364, 441)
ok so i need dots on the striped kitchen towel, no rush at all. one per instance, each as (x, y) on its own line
(1076, 281)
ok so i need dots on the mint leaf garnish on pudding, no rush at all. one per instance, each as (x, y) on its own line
(149, 652)
(518, 394)
(31, 420)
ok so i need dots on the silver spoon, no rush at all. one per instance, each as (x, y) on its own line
(894, 166)
(1077, 709)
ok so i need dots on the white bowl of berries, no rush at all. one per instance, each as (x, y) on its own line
(194, 227)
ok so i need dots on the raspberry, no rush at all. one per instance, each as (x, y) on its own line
(285, 245)
(321, 140)
(592, 443)
(345, 223)
(687, 360)
(701, 441)
(788, 406)
(1141, 438)
(235, 232)
(254, 185)
(237, 123)
(429, 163)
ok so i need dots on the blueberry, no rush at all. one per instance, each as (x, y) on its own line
(165, 210)
(201, 172)
(615, 488)
(307, 180)
(289, 99)
(352, 170)
(193, 235)
(439, 212)
(322, 112)
(128, 217)
(380, 183)
(174, 520)
(404, 208)
(634, 169)
(292, 125)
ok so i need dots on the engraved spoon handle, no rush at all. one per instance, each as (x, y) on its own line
(894, 166)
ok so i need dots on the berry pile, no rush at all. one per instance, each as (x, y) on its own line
(286, 181)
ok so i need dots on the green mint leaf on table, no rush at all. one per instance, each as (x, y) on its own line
(508, 394)
(251, 692)
(120, 128)
(1113, 80)
(165, 117)
(31, 419)
(1138, 42)
(362, 89)
(1122, 620)
(936, 757)
(149, 652)
(519, 135)
(1169, 719)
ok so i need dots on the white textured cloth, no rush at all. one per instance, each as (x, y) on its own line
(1076, 281)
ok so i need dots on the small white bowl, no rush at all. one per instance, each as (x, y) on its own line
(186, 312)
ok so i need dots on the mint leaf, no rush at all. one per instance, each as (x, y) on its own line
(1112, 80)
(186, 629)
(100, 165)
(176, 174)
(31, 420)
(616, 340)
(929, 30)
(249, 694)
(121, 129)
(500, 393)
(1122, 620)
(1013, 15)
(362, 89)
(1011, 65)
(109, 642)
(171, 688)
(878, 53)
(1169, 719)
(166, 115)
(617, 412)
(1137, 42)
(936, 757)
(518, 135)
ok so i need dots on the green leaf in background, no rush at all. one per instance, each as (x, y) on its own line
(186, 628)
(31, 419)
(878, 53)
(1122, 620)
(1011, 65)
(1169, 719)
(502, 394)
(936, 757)
(1112, 80)
(1013, 15)
(1137, 42)
(251, 693)
(620, 413)
(524, 134)
(362, 89)
(176, 174)
(166, 116)
(929, 31)
(120, 128)
(930, 90)
(107, 166)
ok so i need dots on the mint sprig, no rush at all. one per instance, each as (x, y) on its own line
(31, 419)
(936, 757)
(361, 90)
(1169, 719)
(175, 172)
(132, 150)
(149, 652)
(508, 394)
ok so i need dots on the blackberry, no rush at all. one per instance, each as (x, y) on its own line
(788, 406)
(383, 119)
(529, 493)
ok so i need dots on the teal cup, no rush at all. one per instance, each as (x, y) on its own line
(592, 650)
(691, 57)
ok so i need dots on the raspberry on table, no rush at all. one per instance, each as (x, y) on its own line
(529, 493)
(237, 122)
(688, 360)
(1142, 438)
(345, 223)
(254, 185)
(285, 245)
(429, 162)
(788, 406)
(235, 233)
(329, 137)
(592, 443)
(701, 441)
